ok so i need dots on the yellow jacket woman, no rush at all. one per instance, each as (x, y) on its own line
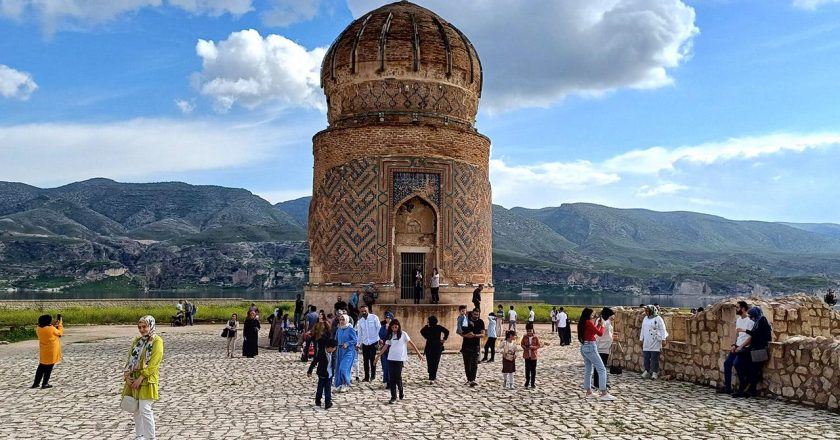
(49, 344)
(142, 375)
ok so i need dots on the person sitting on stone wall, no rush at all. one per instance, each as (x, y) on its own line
(760, 335)
(735, 358)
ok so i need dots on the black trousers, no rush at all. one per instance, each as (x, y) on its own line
(325, 389)
(395, 381)
(490, 346)
(566, 334)
(369, 359)
(749, 373)
(418, 294)
(44, 371)
(605, 357)
(470, 364)
(435, 295)
(433, 362)
(530, 371)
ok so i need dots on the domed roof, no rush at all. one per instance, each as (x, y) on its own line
(402, 58)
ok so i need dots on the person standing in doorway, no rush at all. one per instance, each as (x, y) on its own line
(652, 339)
(434, 285)
(512, 319)
(418, 284)
(530, 347)
(367, 329)
(435, 335)
(49, 346)
(471, 345)
(476, 296)
(490, 344)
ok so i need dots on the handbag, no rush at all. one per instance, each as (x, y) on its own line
(129, 404)
(225, 332)
(759, 355)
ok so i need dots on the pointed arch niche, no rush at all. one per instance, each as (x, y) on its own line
(415, 243)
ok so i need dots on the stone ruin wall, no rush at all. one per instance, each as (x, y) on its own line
(804, 363)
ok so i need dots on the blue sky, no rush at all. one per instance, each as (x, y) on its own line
(724, 107)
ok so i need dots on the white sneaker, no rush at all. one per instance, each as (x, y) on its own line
(607, 398)
(591, 396)
(654, 376)
(645, 375)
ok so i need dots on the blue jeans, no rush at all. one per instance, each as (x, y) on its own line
(730, 361)
(325, 388)
(651, 361)
(591, 360)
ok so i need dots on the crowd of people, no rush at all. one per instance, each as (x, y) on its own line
(335, 340)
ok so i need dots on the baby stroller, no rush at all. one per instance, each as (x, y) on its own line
(291, 339)
(178, 320)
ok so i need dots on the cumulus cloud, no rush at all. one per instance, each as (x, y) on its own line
(536, 52)
(251, 70)
(660, 189)
(812, 5)
(60, 14)
(56, 153)
(286, 12)
(185, 106)
(657, 159)
(16, 84)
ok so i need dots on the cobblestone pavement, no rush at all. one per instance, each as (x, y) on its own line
(205, 395)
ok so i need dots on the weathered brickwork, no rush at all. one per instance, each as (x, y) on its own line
(804, 363)
(352, 215)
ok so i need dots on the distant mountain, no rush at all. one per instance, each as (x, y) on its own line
(147, 211)
(831, 230)
(168, 235)
(298, 209)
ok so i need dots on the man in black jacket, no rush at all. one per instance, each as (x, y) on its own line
(325, 363)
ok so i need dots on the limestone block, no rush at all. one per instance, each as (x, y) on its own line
(820, 398)
(801, 370)
(828, 372)
(810, 394)
(780, 326)
(796, 380)
(832, 402)
(787, 380)
(788, 392)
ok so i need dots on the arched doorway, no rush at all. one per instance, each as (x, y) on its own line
(415, 239)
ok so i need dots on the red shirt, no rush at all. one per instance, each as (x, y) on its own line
(590, 331)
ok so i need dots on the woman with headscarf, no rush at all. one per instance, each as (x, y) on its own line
(250, 334)
(142, 375)
(652, 338)
(761, 334)
(49, 344)
(347, 339)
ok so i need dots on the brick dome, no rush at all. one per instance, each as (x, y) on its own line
(401, 63)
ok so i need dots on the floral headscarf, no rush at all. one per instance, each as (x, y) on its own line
(652, 310)
(143, 344)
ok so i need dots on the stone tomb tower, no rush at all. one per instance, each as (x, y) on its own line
(401, 174)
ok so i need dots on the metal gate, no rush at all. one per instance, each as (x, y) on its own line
(408, 263)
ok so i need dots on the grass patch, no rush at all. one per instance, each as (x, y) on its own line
(17, 334)
(542, 312)
(214, 312)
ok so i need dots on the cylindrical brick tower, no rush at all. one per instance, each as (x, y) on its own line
(401, 174)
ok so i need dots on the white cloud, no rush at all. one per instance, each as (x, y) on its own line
(286, 12)
(657, 159)
(536, 52)
(57, 153)
(73, 14)
(284, 195)
(16, 84)
(186, 107)
(251, 70)
(812, 5)
(660, 189)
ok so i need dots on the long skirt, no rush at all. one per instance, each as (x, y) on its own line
(345, 359)
(249, 347)
(276, 336)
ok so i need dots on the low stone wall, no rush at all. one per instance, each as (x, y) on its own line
(805, 353)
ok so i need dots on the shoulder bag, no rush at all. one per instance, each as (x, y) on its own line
(129, 403)
(225, 332)
(759, 355)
